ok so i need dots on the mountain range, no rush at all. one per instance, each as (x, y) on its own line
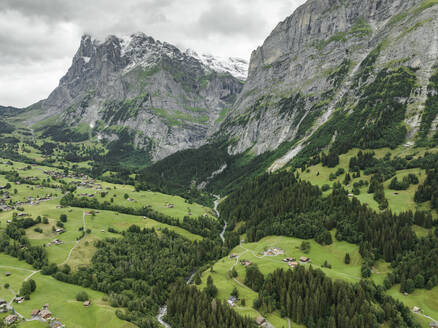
(332, 76)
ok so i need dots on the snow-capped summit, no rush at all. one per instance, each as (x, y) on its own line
(237, 67)
(139, 49)
(143, 49)
(170, 99)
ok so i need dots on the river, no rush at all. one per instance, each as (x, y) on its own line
(163, 309)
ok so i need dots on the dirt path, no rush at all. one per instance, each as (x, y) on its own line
(16, 268)
(426, 316)
(252, 252)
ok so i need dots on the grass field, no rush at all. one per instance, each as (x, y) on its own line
(98, 225)
(253, 252)
(158, 201)
(426, 300)
(334, 254)
(60, 296)
(398, 201)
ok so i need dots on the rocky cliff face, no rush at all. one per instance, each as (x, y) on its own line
(339, 74)
(167, 99)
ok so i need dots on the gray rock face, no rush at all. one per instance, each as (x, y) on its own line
(304, 55)
(168, 98)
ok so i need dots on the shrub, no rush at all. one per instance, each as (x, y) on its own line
(347, 258)
(325, 187)
(63, 218)
(82, 296)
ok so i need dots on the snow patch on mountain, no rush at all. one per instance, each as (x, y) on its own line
(143, 50)
(237, 67)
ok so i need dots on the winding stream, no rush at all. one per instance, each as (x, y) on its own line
(216, 203)
(163, 309)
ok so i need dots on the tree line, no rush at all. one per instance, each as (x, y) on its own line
(203, 226)
(187, 307)
(281, 204)
(137, 270)
(310, 298)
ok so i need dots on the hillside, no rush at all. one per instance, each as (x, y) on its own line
(177, 189)
(160, 98)
(315, 79)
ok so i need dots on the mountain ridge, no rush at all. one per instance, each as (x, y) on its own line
(165, 99)
(303, 58)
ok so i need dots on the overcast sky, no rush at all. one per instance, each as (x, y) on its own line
(38, 38)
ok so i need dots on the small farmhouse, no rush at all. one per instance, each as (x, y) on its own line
(45, 314)
(10, 319)
(260, 320)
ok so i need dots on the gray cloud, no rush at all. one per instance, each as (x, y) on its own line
(226, 19)
(38, 38)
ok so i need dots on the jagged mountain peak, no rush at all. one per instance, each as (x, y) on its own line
(140, 49)
(167, 99)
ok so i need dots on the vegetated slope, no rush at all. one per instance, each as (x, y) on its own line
(156, 262)
(310, 298)
(333, 76)
(31, 237)
(188, 307)
(261, 210)
(164, 99)
(354, 73)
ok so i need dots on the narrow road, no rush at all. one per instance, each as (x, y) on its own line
(77, 241)
(424, 315)
(29, 276)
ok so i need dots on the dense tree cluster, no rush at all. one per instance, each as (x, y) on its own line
(27, 288)
(281, 204)
(137, 270)
(330, 160)
(175, 173)
(362, 161)
(6, 127)
(187, 307)
(60, 132)
(264, 204)
(376, 188)
(309, 297)
(405, 183)
(430, 113)
(14, 243)
(417, 268)
(429, 189)
(254, 279)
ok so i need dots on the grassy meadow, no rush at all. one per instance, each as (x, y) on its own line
(254, 252)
